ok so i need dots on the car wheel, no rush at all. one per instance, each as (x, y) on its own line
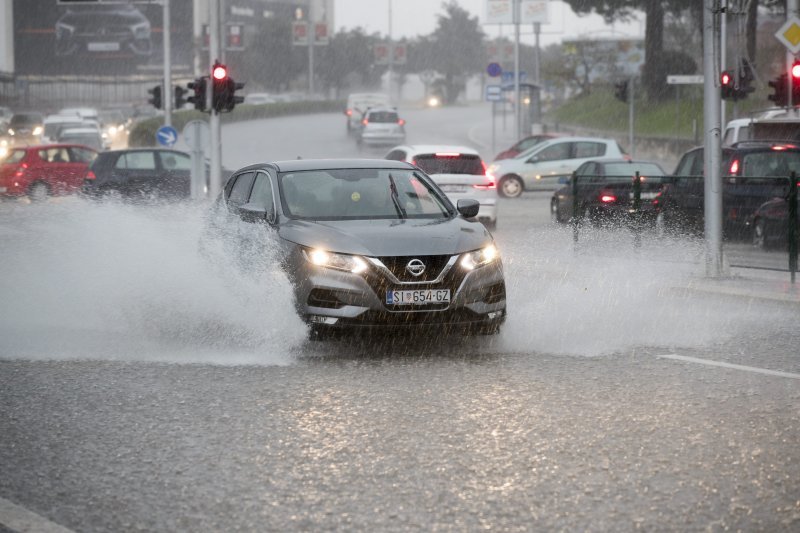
(555, 215)
(510, 186)
(759, 234)
(38, 192)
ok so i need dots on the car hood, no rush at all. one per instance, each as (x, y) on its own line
(379, 238)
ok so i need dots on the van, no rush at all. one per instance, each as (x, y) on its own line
(357, 105)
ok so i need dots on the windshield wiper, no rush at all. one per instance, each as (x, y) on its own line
(396, 198)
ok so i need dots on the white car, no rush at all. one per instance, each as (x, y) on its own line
(542, 166)
(458, 171)
(87, 136)
(381, 125)
(357, 105)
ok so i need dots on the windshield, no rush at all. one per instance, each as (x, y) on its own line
(450, 164)
(771, 163)
(350, 194)
(382, 117)
(89, 140)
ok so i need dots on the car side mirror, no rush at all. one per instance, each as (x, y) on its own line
(252, 213)
(468, 208)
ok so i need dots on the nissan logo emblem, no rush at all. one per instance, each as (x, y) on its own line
(415, 267)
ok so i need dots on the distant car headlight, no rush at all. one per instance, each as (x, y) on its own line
(323, 258)
(11, 131)
(112, 130)
(38, 130)
(3, 151)
(479, 258)
(433, 102)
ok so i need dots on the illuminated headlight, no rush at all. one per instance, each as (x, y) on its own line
(38, 130)
(3, 151)
(112, 130)
(479, 258)
(141, 31)
(348, 263)
(11, 131)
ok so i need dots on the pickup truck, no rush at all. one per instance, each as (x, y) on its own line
(753, 173)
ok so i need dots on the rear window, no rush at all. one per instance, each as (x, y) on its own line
(772, 163)
(14, 156)
(382, 117)
(446, 164)
(629, 169)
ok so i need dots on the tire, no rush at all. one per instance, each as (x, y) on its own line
(510, 186)
(555, 215)
(38, 192)
(760, 234)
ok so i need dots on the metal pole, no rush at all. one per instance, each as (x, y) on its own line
(494, 128)
(723, 22)
(537, 29)
(792, 230)
(391, 56)
(312, 30)
(215, 172)
(517, 102)
(167, 91)
(631, 98)
(712, 154)
(791, 11)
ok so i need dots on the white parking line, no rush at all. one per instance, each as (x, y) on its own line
(20, 519)
(708, 362)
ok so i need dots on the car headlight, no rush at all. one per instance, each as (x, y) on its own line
(10, 131)
(479, 258)
(37, 130)
(348, 263)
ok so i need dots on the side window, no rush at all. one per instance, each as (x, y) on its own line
(175, 161)
(262, 193)
(686, 163)
(54, 155)
(589, 149)
(554, 152)
(241, 189)
(81, 155)
(137, 161)
(589, 169)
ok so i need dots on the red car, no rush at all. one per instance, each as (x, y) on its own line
(42, 171)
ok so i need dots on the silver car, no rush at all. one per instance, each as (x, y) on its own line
(382, 126)
(373, 244)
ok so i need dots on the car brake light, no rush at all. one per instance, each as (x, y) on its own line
(734, 166)
(90, 176)
(608, 198)
(401, 122)
(486, 186)
(780, 147)
(349, 112)
(447, 154)
(365, 122)
(21, 170)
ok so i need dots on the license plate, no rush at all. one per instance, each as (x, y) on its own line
(103, 47)
(418, 297)
(452, 188)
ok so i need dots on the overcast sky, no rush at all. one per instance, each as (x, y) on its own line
(418, 17)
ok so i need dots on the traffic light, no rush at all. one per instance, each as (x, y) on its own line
(727, 85)
(781, 96)
(621, 91)
(219, 87)
(156, 98)
(795, 72)
(180, 99)
(234, 86)
(198, 98)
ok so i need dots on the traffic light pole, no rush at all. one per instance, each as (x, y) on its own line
(166, 93)
(712, 154)
(215, 172)
(517, 103)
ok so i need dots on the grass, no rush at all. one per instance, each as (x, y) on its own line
(669, 118)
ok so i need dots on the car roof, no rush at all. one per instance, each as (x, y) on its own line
(296, 165)
(435, 148)
(74, 131)
(36, 147)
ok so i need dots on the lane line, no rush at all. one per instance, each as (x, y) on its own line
(20, 519)
(744, 368)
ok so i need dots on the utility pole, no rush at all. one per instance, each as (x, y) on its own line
(391, 55)
(215, 174)
(517, 102)
(312, 35)
(791, 11)
(166, 93)
(712, 154)
(631, 99)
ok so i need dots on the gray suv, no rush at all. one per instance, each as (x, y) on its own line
(371, 245)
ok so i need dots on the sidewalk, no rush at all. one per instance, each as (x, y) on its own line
(752, 284)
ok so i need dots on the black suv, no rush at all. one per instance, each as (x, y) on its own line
(753, 172)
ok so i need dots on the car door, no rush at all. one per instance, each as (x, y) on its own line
(79, 161)
(135, 173)
(583, 151)
(547, 162)
(54, 168)
(176, 181)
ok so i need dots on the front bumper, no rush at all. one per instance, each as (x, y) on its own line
(337, 300)
(383, 138)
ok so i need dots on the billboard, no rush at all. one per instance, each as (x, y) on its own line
(99, 38)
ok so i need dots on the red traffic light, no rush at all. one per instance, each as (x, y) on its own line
(796, 70)
(726, 79)
(219, 72)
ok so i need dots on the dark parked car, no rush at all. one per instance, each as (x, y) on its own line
(606, 190)
(522, 145)
(42, 171)
(753, 172)
(141, 173)
(770, 224)
(372, 245)
(26, 128)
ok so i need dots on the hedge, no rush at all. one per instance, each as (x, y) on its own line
(143, 133)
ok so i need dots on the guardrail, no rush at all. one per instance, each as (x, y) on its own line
(740, 205)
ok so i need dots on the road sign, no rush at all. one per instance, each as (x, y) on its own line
(675, 79)
(494, 70)
(299, 33)
(494, 93)
(167, 136)
(508, 77)
(197, 135)
(789, 34)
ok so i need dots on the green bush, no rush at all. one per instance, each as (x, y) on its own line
(143, 133)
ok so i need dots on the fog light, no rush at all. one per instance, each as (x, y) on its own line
(492, 315)
(317, 319)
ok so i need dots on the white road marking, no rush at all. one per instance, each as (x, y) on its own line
(744, 368)
(20, 519)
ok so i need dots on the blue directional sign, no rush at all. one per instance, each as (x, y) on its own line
(494, 93)
(167, 136)
(494, 70)
(508, 77)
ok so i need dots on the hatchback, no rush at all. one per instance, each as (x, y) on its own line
(541, 167)
(140, 174)
(372, 245)
(382, 125)
(40, 171)
(458, 171)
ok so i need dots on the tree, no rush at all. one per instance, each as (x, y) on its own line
(349, 55)
(456, 49)
(271, 60)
